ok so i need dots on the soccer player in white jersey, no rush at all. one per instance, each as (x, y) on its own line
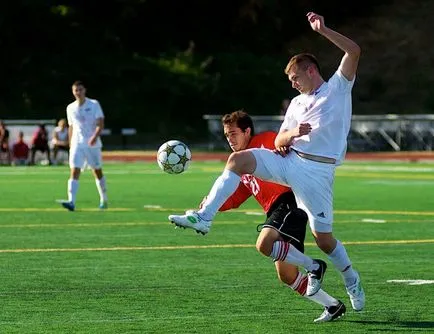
(86, 121)
(311, 142)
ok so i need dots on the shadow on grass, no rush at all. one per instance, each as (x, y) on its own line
(399, 325)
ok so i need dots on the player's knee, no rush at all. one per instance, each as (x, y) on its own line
(325, 242)
(242, 162)
(264, 247)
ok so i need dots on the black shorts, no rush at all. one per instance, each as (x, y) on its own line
(41, 148)
(288, 220)
(61, 148)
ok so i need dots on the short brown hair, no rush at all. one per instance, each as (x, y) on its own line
(241, 119)
(78, 83)
(302, 60)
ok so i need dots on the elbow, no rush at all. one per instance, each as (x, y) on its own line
(356, 51)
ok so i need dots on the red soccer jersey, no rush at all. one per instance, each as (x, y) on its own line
(20, 150)
(265, 192)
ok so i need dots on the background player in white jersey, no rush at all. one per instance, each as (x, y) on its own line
(86, 121)
(314, 133)
(60, 139)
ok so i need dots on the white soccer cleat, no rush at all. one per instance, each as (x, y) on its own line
(332, 313)
(356, 294)
(315, 278)
(191, 220)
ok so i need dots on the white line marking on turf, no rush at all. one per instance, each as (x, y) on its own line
(126, 248)
(389, 169)
(150, 206)
(62, 209)
(377, 221)
(254, 213)
(414, 183)
(411, 281)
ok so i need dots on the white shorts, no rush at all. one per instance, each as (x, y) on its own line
(312, 183)
(78, 156)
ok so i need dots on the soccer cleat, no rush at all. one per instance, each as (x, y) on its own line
(103, 205)
(67, 205)
(315, 278)
(191, 220)
(332, 313)
(356, 294)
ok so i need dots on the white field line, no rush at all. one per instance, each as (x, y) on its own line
(226, 222)
(231, 246)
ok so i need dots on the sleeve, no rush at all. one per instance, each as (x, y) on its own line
(68, 116)
(237, 198)
(288, 122)
(98, 111)
(338, 82)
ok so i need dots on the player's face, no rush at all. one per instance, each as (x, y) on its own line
(237, 138)
(79, 92)
(301, 79)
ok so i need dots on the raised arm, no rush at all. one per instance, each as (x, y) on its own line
(352, 51)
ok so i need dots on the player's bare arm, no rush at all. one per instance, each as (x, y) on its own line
(70, 129)
(285, 138)
(352, 51)
(98, 129)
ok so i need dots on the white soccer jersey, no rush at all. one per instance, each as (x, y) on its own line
(328, 110)
(83, 120)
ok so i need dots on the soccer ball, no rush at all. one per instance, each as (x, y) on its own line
(174, 157)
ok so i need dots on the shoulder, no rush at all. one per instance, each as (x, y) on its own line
(263, 139)
(339, 81)
(71, 105)
(92, 102)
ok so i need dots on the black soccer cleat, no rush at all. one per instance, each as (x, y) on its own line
(332, 313)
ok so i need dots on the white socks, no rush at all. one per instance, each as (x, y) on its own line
(102, 190)
(72, 190)
(223, 187)
(342, 262)
(284, 251)
(321, 297)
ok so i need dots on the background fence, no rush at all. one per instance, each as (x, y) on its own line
(368, 132)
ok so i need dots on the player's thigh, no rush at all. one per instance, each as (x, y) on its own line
(286, 272)
(77, 157)
(269, 165)
(94, 157)
(314, 195)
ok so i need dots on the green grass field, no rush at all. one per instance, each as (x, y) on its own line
(127, 270)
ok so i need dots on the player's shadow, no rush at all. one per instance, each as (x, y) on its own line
(405, 325)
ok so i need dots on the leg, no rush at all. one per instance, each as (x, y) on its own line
(282, 238)
(101, 186)
(338, 256)
(76, 162)
(55, 151)
(94, 159)
(32, 157)
(47, 148)
(289, 274)
(239, 163)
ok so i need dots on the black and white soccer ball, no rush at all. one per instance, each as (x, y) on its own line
(174, 157)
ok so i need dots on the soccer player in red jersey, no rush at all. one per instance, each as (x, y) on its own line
(284, 223)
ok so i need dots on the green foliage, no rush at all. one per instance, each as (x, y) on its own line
(160, 65)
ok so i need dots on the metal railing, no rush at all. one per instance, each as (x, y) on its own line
(368, 132)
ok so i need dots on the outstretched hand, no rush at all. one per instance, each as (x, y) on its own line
(302, 129)
(316, 21)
